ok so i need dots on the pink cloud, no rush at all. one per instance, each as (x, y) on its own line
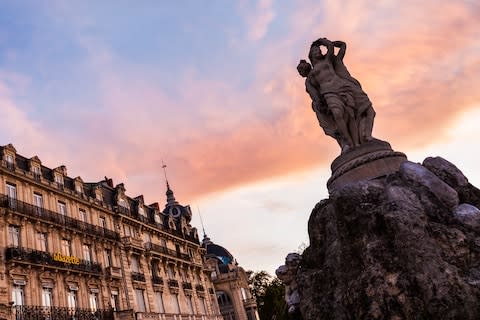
(216, 137)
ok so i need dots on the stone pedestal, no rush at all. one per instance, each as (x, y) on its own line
(368, 161)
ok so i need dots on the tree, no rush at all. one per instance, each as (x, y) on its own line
(270, 295)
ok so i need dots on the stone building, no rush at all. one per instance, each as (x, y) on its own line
(231, 283)
(70, 249)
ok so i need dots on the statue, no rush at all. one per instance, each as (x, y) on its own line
(343, 109)
(287, 273)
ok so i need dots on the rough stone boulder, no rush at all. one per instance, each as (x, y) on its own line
(405, 246)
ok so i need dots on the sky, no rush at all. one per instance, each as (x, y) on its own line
(113, 88)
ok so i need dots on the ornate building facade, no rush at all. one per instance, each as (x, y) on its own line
(70, 249)
(231, 283)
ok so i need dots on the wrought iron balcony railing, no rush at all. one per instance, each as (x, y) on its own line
(33, 211)
(199, 287)
(173, 283)
(45, 259)
(187, 285)
(137, 276)
(157, 280)
(60, 313)
(164, 250)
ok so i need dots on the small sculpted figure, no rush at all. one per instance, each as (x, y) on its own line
(343, 109)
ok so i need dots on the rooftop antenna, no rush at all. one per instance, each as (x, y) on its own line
(164, 166)
(201, 221)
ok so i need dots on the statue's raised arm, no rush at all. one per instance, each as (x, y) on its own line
(342, 48)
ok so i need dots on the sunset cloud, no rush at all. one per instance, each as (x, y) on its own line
(419, 68)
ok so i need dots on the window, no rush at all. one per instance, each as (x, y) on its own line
(182, 275)
(115, 301)
(164, 243)
(14, 235)
(155, 268)
(103, 222)
(175, 304)
(78, 188)
(66, 247)
(87, 252)
(62, 208)
(157, 218)
(171, 274)
(47, 297)
(127, 230)
(139, 293)
(11, 190)
(9, 161)
(36, 173)
(18, 297)
(38, 200)
(83, 215)
(135, 265)
(98, 194)
(122, 203)
(141, 211)
(59, 179)
(42, 241)
(203, 309)
(93, 299)
(189, 304)
(147, 237)
(159, 298)
(244, 293)
(72, 298)
(108, 257)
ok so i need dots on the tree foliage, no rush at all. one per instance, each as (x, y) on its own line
(269, 293)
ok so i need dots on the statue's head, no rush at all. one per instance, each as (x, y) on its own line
(315, 54)
(304, 68)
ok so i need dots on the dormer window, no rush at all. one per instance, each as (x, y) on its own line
(122, 203)
(79, 188)
(59, 180)
(141, 211)
(157, 218)
(98, 194)
(10, 162)
(36, 173)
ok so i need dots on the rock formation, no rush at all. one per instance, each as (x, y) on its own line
(402, 246)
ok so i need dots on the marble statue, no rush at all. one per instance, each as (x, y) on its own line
(343, 109)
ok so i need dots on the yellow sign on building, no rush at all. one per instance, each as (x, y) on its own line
(67, 259)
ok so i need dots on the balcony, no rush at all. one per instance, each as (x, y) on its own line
(60, 313)
(164, 250)
(187, 285)
(132, 242)
(45, 259)
(157, 280)
(249, 302)
(199, 288)
(137, 276)
(113, 272)
(173, 283)
(40, 213)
